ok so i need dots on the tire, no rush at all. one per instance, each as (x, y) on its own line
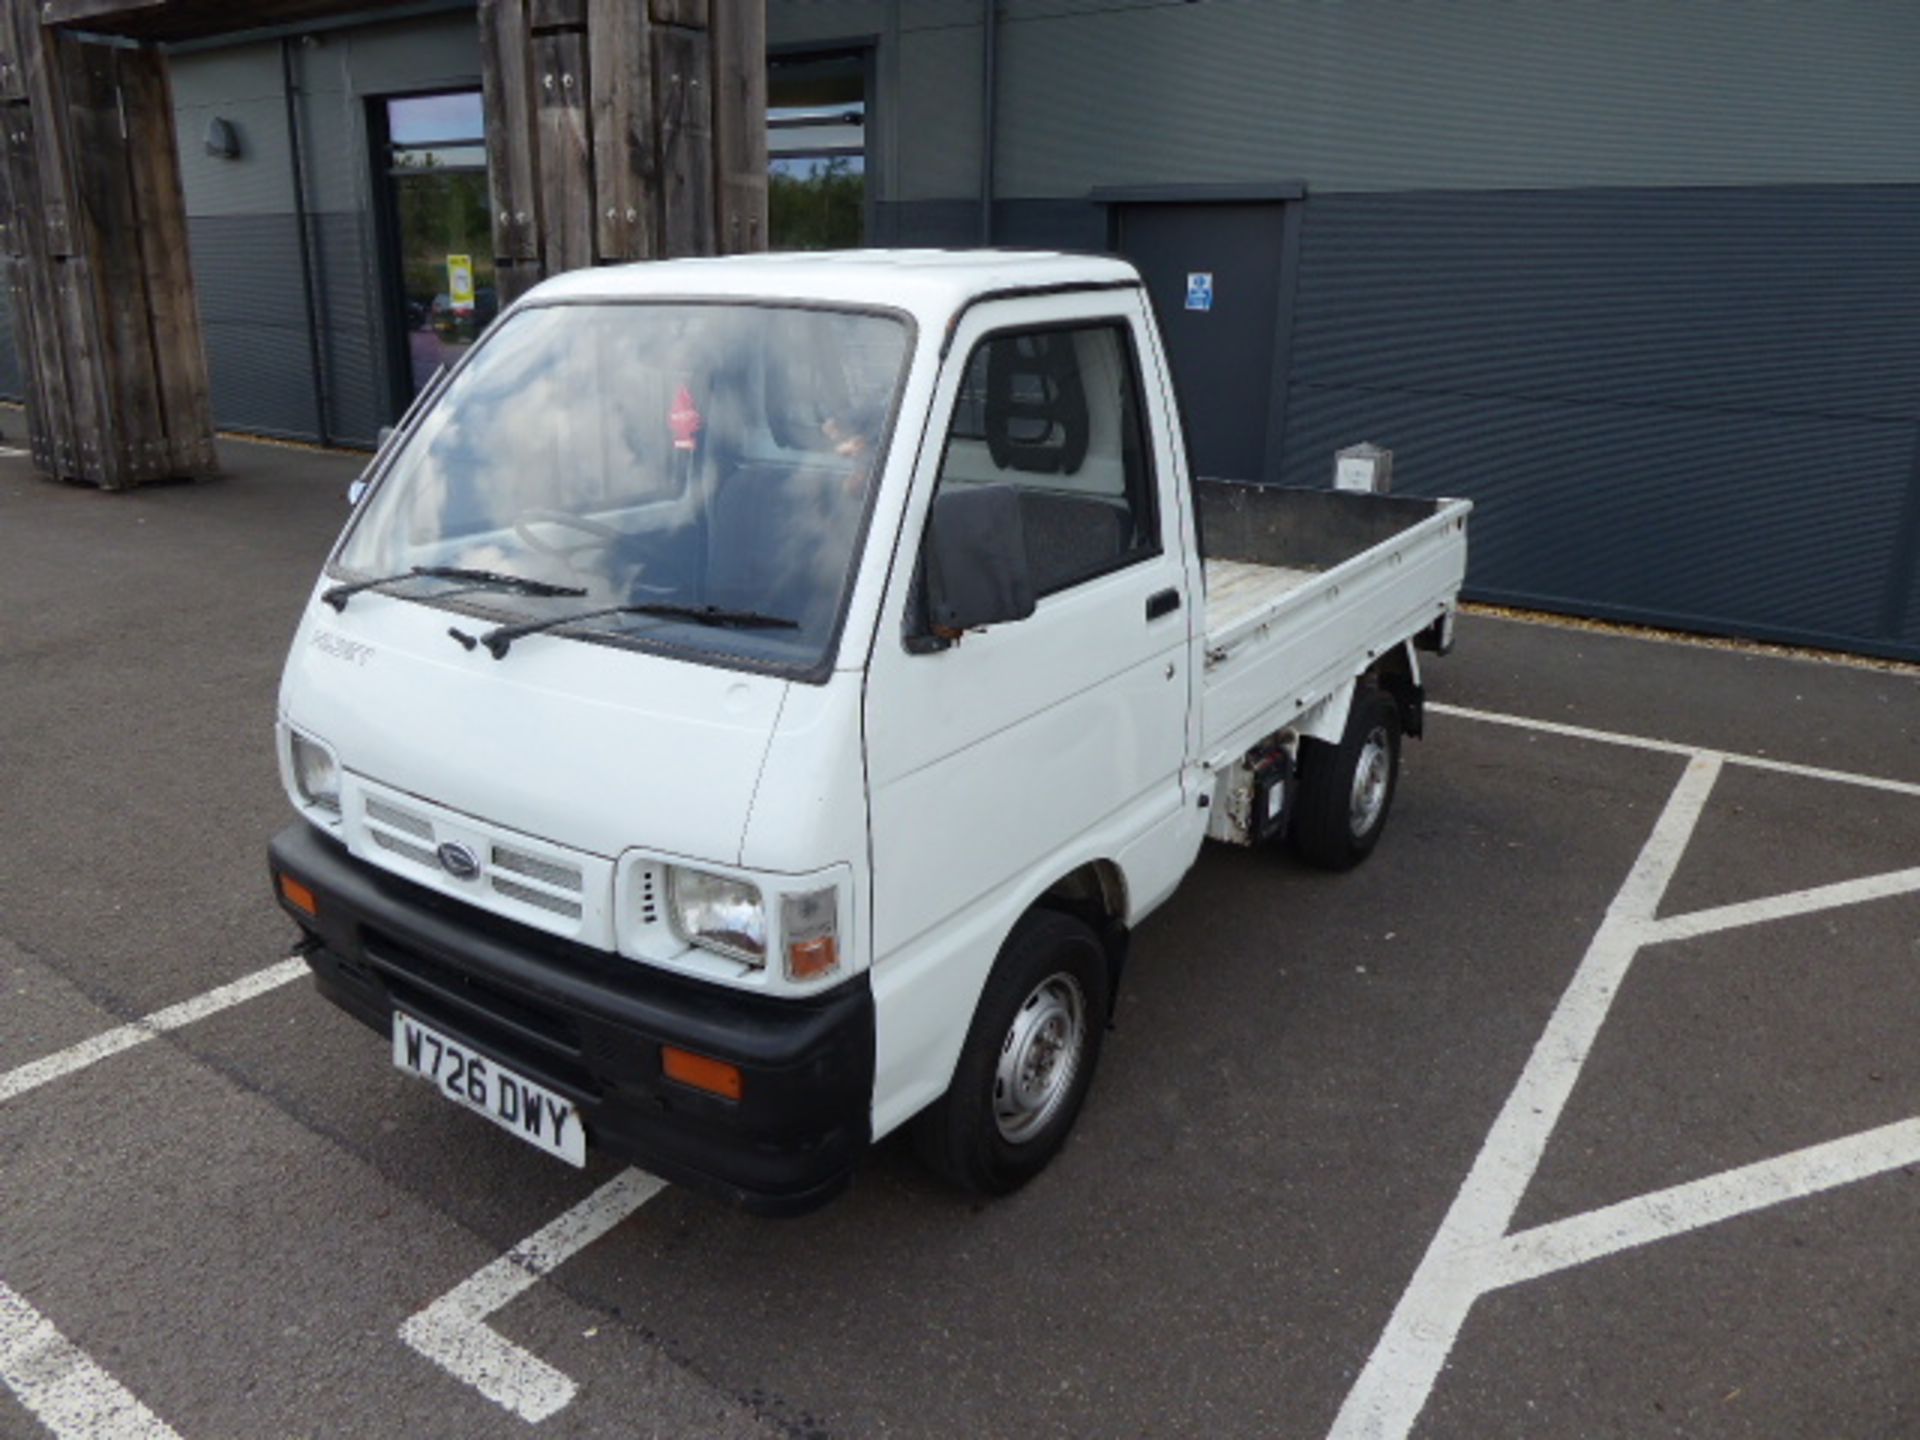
(1347, 789)
(989, 1135)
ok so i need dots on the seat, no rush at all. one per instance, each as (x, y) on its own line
(778, 541)
(1070, 536)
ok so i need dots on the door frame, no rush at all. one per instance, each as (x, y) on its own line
(1290, 196)
(386, 228)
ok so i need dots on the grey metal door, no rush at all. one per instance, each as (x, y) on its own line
(1222, 355)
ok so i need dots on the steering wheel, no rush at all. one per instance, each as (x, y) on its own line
(600, 536)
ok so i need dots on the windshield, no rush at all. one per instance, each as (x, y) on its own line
(711, 457)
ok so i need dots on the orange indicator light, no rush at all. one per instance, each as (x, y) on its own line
(807, 959)
(299, 896)
(716, 1077)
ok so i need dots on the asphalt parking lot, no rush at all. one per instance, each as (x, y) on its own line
(1588, 1106)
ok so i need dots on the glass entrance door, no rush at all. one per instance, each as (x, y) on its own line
(440, 244)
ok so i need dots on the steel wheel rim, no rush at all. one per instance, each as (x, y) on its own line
(1371, 773)
(1039, 1057)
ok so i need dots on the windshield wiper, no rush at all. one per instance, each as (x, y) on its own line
(499, 640)
(714, 615)
(337, 596)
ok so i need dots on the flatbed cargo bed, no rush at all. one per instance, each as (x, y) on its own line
(1305, 588)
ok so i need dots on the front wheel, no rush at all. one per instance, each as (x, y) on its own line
(1347, 789)
(1028, 1060)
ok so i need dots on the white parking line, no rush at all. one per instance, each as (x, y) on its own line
(1674, 747)
(453, 1333)
(1400, 1373)
(1780, 907)
(67, 1392)
(124, 1037)
(1673, 1211)
(1472, 1253)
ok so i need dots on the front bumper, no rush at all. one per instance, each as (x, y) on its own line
(590, 1025)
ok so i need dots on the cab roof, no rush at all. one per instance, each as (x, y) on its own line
(933, 284)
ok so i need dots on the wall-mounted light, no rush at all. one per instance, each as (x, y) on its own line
(223, 141)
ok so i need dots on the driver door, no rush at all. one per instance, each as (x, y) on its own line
(1027, 748)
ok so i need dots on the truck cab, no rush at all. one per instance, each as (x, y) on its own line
(755, 699)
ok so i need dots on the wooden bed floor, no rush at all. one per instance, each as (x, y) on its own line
(1236, 589)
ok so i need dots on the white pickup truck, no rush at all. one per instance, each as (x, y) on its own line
(755, 700)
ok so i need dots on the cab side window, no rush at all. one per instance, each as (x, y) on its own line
(1055, 413)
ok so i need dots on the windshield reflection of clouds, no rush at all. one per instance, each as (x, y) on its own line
(566, 450)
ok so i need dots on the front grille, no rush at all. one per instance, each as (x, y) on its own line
(417, 826)
(545, 889)
(416, 853)
(539, 899)
(534, 868)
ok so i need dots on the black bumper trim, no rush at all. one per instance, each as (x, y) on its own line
(590, 1025)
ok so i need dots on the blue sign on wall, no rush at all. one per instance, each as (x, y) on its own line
(1200, 290)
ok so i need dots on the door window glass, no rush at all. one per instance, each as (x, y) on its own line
(1055, 413)
(436, 119)
(442, 246)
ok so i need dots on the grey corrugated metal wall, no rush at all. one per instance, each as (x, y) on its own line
(1684, 406)
(1472, 95)
(1643, 279)
(243, 232)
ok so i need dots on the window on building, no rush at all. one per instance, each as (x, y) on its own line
(1055, 413)
(816, 152)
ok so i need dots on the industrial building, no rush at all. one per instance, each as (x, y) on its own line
(1641, 279)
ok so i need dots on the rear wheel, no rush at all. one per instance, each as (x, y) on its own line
(1347, 789)
(1028, 1060)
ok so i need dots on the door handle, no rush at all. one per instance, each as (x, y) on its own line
(1164, 603)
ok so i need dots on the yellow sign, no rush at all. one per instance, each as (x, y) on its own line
(460, 282)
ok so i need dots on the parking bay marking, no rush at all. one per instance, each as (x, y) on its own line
(62, 1063)
(453, 1333)
(1473, 1252)
(1674, 747)
(1562, 1244)
(66, 1391)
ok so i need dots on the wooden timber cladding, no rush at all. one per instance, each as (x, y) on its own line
(93, 230)
(622, 130)
(616, 130)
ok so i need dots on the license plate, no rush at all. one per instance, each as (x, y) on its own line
(511, 1101)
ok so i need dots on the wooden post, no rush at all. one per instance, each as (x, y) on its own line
(683, 93)
(566, 164)
(626, 167)
(622, 129)
(93, 225)
(740, 125)
(180, 359)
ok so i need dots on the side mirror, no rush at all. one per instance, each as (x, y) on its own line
(976, 559)
(357, 491)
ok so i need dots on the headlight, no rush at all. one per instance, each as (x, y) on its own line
(718, 914)
(316, 774)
